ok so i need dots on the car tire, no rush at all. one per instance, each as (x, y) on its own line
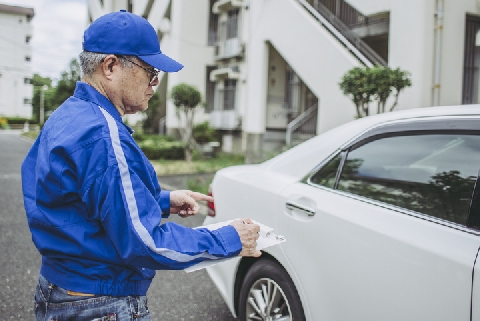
(268, 293)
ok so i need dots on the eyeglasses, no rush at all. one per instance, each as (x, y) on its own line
(154, 73)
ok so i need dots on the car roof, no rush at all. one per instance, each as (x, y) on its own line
(303, 158)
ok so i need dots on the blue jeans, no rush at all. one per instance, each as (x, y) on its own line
(52, 303)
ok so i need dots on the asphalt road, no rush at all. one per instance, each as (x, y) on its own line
(174, 295)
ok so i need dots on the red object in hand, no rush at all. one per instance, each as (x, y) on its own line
(211, 205)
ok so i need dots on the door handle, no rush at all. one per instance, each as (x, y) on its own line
(295, 206)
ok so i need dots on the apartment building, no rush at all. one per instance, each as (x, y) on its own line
(16, 72)
(269, 70)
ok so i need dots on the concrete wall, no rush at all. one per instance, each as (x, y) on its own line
(13, 66)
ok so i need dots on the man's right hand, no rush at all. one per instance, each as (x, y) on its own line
(248, 232)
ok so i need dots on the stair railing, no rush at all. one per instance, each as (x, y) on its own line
(347, 37)
(306, 119)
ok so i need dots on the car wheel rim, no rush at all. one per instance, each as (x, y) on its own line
(267, 302)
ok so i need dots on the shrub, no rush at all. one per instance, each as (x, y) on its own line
(20, 120)
(204, 133)
(142, 137)
(3, 123)
(158, 149)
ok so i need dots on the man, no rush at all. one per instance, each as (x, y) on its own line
(92, 198)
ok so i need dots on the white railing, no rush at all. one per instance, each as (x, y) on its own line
(361, 52)
(306, 123)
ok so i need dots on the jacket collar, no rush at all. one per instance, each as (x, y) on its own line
(86, 92)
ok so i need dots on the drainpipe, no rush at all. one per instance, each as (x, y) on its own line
(438, 52)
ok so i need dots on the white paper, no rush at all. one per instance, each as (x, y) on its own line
(266, 239)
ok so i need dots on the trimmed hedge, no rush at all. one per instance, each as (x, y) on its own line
(161, 149)
(20, 120)
(142, 137)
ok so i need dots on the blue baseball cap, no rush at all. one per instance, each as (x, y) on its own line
(124, 33)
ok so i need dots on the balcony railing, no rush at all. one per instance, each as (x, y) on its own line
(343, 11)
(224, 115)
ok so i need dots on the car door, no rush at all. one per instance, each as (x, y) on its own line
(379, 231)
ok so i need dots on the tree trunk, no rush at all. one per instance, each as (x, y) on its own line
(188, 154)
(396, 101)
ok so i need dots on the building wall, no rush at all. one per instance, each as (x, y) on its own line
(412, 45)
(316, 56)
(13, 68)
(453, 42)
(186, 42)
(319, 63)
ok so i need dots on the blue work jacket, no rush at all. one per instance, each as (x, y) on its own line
(94, 205)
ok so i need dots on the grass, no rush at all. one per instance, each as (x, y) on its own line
(199, 184)
(210, 165)
(33, 134)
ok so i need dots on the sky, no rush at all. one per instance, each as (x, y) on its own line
(58, 27)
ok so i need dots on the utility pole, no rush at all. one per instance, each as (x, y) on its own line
(42, 104)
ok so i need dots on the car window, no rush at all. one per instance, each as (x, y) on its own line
(432, 174)
(327, 174)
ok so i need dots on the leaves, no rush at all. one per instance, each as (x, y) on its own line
(185, 96)
(54, 96)
(364, 85)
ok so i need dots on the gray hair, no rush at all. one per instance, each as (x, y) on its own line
(90, 61)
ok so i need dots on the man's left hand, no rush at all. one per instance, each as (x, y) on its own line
(184, 202)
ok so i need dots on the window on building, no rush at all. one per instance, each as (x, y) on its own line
(28, 58)
(471, 62)
(293, 94)
(28, 38)
(27, 80)
(229, 93)
(212, 25)
(27, 101)
(209, 90)
(232, 23)
(433, 174)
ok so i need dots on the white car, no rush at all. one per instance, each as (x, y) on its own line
(377, 218)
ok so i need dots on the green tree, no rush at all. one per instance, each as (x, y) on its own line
(38, 83)
(186, 98)
(364, 85)
(151, 122)
(66, 85)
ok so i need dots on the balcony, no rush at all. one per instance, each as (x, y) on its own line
(226, 5)
(225, 119)
(224, 115)
(229, 48)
